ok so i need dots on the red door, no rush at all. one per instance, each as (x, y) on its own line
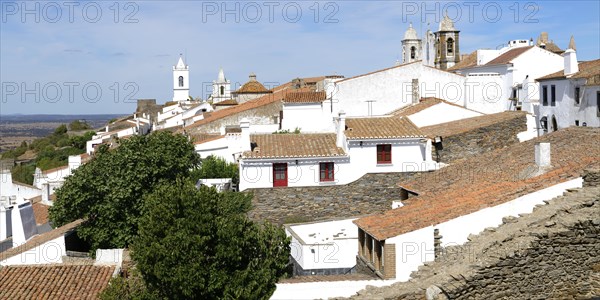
(280, 175)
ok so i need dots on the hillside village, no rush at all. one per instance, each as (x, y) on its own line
(376, 177)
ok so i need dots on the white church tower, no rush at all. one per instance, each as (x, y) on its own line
(181, 81)
(411, 46)
(221, 88)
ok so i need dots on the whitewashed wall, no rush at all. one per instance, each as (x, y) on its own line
(392, 89)
(416, 247)
(323, 250)
(309, 117)
(50, 252)
(323, 290)
(566, 111)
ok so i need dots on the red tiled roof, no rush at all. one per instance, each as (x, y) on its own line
(207, 138)
(294, 145)
(305, 97)
(487, 180)
(40, 211)
(258, 102)
(423, 104)
(467, 62)
(54, 281)
(381, 128)
(464, 125)
(589, 70)
(508, 56)
(39, 240)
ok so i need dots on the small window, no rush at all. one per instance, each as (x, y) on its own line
(326, 171)
(545, 95)
(544, 124)
(222, 90)
(180, 81)
(554, 124)
(413, 52)
(598, 104)
(384, 154)
(576, 122)
(450, 45)
(576, 96)
(552, 95)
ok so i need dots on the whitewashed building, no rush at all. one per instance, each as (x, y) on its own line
(501, 80)
(181, 81)
(323, 248)
(570, 97)
(359, 146)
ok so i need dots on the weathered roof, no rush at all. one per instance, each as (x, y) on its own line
(226, 102)
(39, 240)
(381, 128)
(54, 281)
(466, 62)
(464, 125)
(305, 97)
(589, 70)
(508, 56)
(487, 180)
(252, 87)
(254, 103)
(294, 146)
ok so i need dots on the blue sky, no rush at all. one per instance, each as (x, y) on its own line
(98, 57)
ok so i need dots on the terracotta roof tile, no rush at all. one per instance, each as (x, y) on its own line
(487, 180)
(508, 56)
(467, 62)
(304, 97)
(464, 125)
(251, 87)
(54, 281)
(205, 138)
(39, 240)
(589, 70)
(40, 211)
(381, 128)
(258, 102)
(294, 146)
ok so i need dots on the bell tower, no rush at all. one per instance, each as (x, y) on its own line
(181, 81)
(221, 88)
(446, 45)
(411, 46)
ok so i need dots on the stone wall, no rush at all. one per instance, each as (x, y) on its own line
(482, 139)
(552, 253)
(370, 194)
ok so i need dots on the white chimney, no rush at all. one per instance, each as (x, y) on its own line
(570, 59)
(5, 222)
(245, 136)
(341, 137)
(5, 182)
(542, 154)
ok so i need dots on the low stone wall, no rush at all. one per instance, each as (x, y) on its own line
(552, 253)
(370, 194)
(482, 139)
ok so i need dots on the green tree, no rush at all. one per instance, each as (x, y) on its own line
(60, 130)
(79, 125)
(216, 167)
(108, 190)
(198, 243)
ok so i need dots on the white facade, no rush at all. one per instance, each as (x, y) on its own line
(490, 88)
(181, 81)
(324, 245)
(14, 192)
(308, 117)
(384, 91)
(415, 248)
